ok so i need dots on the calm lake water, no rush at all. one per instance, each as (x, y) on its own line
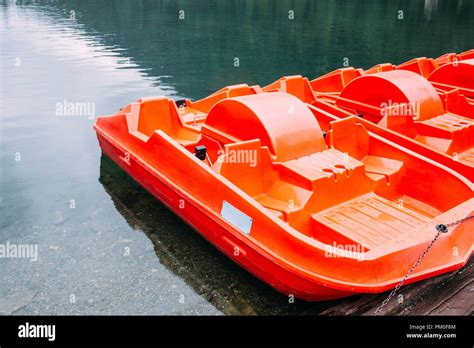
(104, 246)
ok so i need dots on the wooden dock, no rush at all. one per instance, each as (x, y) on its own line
(447, 294)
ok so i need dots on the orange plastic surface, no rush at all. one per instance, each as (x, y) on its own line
(455, 75)
(323, 204)
(424, 101)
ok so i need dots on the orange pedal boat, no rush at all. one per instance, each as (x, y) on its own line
(435, 119)
(315, 214)
(448, 72)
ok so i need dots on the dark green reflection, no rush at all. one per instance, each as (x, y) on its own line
(198, 53)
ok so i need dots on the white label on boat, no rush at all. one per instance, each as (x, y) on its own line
(237, 218)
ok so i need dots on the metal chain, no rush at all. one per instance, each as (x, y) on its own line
(441, 228)
(460, 220)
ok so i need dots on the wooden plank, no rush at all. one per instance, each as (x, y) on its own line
(450, 293)
(457, 304)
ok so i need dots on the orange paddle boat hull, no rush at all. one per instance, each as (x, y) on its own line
(317, 206)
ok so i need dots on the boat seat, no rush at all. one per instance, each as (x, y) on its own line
(380, 68)
(448, 132)
(285, 198)
(378, 167)
(330, 163)
(350, 137)
(467, 157)
(448, 122)
(422, 66)
(296, 85)
(205, 105)
(159, 113)
(249, 166)
(335, 81)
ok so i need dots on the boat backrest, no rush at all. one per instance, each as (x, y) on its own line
(247, 165)
(155, 114)
(380, 68)
(350, 137)
(422, 66)
(159, 113)
(296, 85)
(205, 104)
(335, 81)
